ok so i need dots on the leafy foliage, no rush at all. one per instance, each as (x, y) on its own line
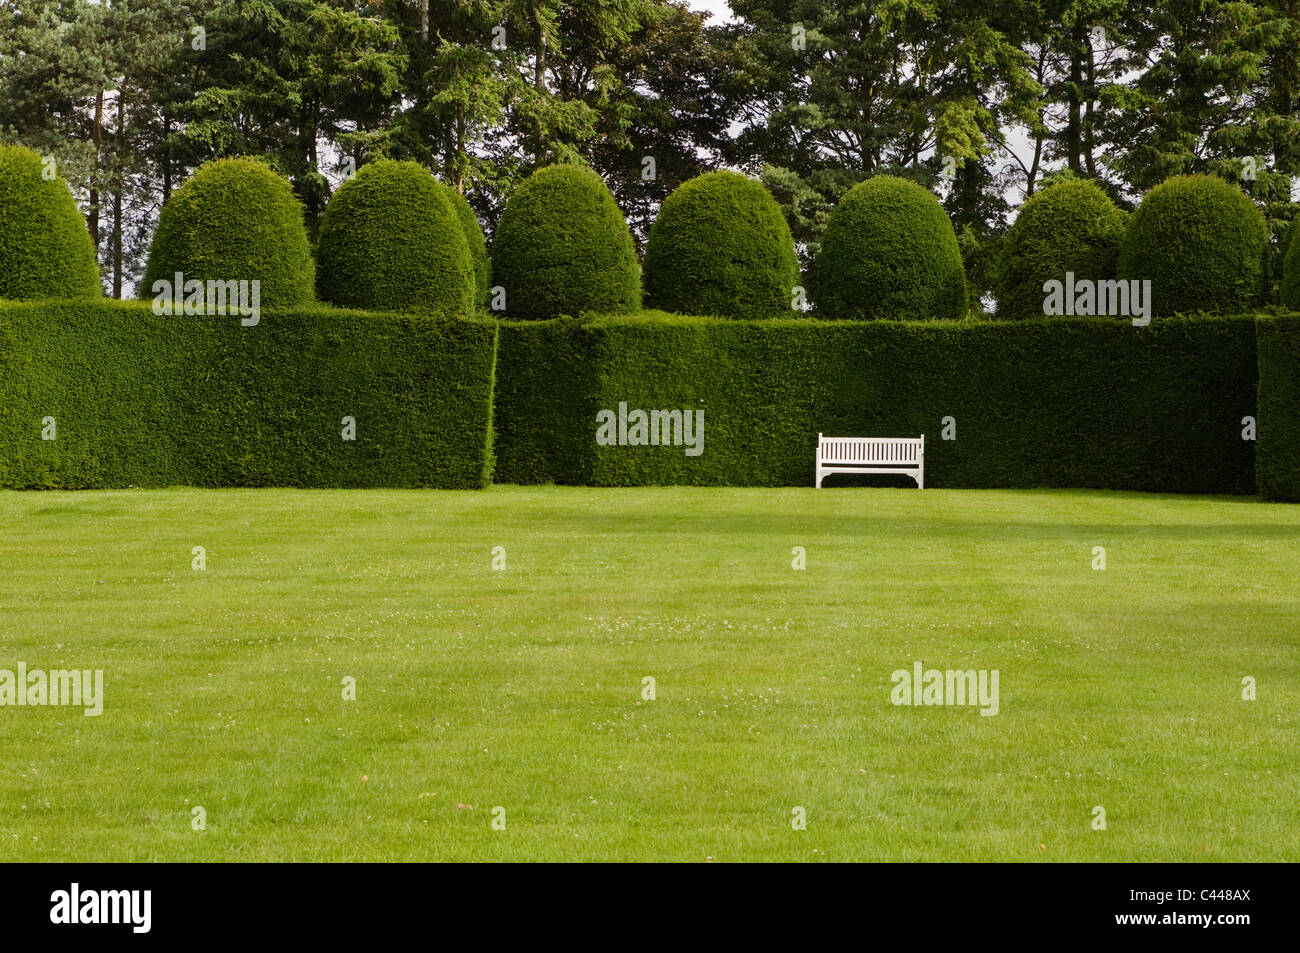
(1278, 455)
(562, 247)
(1201, 242)
(1013, 389)
(1291, 273)
(235, 220)
(1071, 226)
(45, 250)
(392, 240)
(721, 247)
(889, 251)
(148, 400)
(477, 244)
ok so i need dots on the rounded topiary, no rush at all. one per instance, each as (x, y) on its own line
(478, 251)
(889, 251)
(235, 220)
(562, 247)
(1072, 226)
(45, 249)
(1291, 270)
(1200, 241)
(391, 240)
(721, 246)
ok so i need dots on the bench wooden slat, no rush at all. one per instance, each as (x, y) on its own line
(904, 455)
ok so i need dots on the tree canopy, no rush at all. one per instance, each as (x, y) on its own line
(981, 101)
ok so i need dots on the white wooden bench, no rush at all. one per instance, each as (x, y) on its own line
(905, 455)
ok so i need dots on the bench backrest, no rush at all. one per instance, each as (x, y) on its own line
(869, 450)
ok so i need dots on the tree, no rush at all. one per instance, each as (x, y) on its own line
(283, 76)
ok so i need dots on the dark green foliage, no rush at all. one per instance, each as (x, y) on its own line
(889, 251)
(149, 400)
(45, 249)
(391, 241)
(235, 220)
(1072, 226)
(1201, 242)
(721, 247)
(1278, 455)
(1291, 270)
(145, 400)
(545, 389)
(1074, 402)
(478, 251)
(562, 248)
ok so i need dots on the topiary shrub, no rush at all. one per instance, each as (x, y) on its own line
(1291, 270)
(721, 247)
(1200, 241)
(45, 249)
(390, 240)
(235, 220)
(1072, 226)
(889, 251)
(478, 251)
(562, 247)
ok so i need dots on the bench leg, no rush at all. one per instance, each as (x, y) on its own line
(818, 483)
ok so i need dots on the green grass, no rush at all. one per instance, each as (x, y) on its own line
(522, 688)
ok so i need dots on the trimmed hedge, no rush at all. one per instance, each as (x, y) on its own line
(721, 247)
(1074, 402)
(1201, 242)
(145, 400)
(235, 220)
(391, 240)
(1278, 461)
(546, 387)
(45, 249)
(1072, 226)
(477, 243)
(889, 252)
(562, 248)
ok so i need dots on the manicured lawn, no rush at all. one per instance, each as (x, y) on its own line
(523, 688)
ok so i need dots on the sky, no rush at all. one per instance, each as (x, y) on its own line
(718, 8)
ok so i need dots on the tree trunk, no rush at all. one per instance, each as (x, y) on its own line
(1073, 137)
(539, 80)
(460, 153)
(1089, 162)
(96, 136)
(119, 184)
(167, 159)
(539, 73)
(1031, 179)
(424, 21)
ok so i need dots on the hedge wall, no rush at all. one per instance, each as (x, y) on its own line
(156, 401)
(545, 391)
(1078, 402)
(1278, 463)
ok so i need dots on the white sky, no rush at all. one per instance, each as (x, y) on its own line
(719, 8)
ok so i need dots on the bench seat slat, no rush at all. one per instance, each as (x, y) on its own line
(905, 455)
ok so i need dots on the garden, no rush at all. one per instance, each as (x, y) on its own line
(463, 507)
